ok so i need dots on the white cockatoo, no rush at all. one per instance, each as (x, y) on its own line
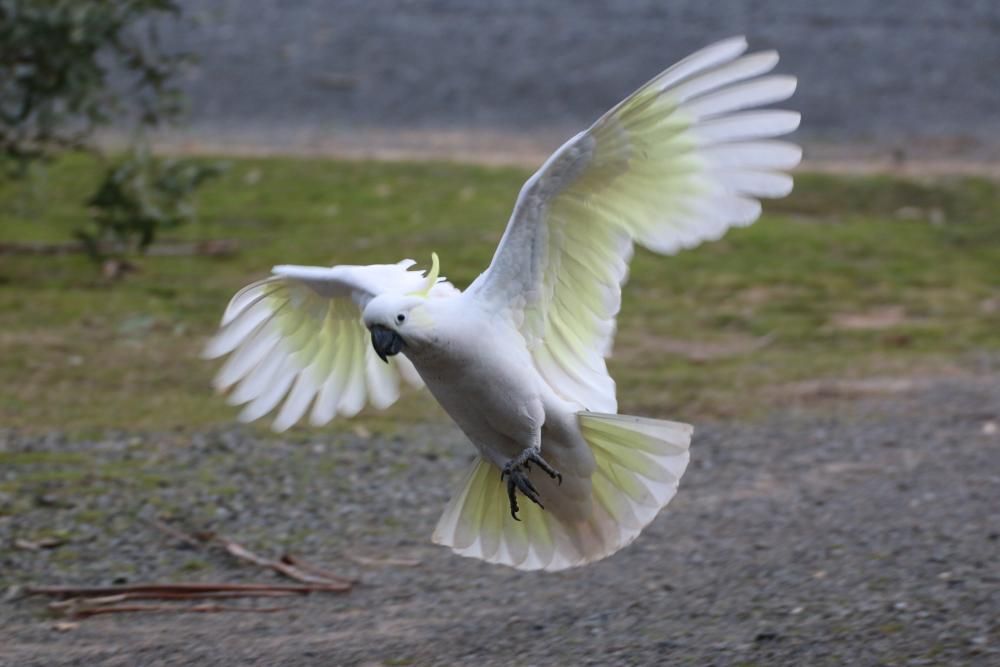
(518, 358)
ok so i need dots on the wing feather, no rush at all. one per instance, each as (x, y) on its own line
(352, 397)
(299, 399)
(296, 340)
(677, 163)
(744, 126)
(382, 380)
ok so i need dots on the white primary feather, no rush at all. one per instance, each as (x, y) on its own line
(296, 340)
(676, 163)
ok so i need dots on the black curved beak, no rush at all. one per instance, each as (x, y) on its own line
(386, 342)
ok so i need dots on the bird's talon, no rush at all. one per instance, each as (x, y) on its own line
(515, 472)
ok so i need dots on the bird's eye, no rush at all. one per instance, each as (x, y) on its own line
(401, 318)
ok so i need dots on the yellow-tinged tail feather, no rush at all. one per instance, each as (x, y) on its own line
(639, 464)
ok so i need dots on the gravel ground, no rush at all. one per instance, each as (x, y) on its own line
(861, 533)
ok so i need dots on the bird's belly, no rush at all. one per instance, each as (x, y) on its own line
(495, 402)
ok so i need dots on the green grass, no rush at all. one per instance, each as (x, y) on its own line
(82, 355)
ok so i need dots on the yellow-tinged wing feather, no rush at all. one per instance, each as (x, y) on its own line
(678, 162)
(296, 340)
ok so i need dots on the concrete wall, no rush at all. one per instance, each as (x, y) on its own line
(912, 74)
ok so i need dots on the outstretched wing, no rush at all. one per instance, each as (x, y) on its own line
(678, 162)
(297, 337)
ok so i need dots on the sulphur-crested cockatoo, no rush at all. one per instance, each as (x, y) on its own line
(518, 358)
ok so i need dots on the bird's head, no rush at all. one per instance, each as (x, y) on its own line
(395, 322)
(398, 321)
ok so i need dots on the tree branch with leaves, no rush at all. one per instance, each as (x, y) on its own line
(71, 67)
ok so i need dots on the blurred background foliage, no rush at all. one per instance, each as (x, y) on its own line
(71, 67)
(140, 196)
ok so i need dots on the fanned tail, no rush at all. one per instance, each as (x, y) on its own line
(639, 464)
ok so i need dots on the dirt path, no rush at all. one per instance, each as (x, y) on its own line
(856, 534)
(529, 149)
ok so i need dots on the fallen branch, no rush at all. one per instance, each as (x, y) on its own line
(290, 571)
(35, 545)
(300, 564)
(184, 588)
(220, 595)
(400, 562)
(82, 602)
(177, 534)
(288, 565)
(86, 612)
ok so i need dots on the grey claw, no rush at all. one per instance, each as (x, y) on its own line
(517, 480)
(511, 494)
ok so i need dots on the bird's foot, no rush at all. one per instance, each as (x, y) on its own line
(516, 471)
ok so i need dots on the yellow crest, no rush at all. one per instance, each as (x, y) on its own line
(432, 277)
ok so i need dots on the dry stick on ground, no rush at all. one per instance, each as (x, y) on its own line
(83, 607)
(89, 606)
(181, 589)
(180, 535)
(364, 560)
(91, 601)
(290, 571)
(161, 608)
(221, 595)
(84, 602)
(309, 568)
(290, 566)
